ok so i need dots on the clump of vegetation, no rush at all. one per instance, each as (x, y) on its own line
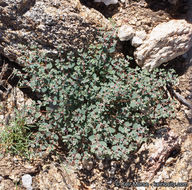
(15, 137)
(93, 103)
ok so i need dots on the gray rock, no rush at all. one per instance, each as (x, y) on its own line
(28, 23)
(136, 41)
(141, 188)
(27, 181)
(138, 38)
(126, 32)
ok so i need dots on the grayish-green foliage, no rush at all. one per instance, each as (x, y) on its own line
(95, 104)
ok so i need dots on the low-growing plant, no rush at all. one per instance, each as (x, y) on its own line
(15, 137)
(92, 103)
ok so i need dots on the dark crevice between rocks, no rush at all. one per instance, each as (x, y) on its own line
(175, 152)
(179, 64)
(12, 79)
(3, 4)
(127, 50)
(25, 6)
(107, 11)
(177, 11)
(189, 130)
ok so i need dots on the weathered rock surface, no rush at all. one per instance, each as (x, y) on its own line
(107, 2)
(57, 177)
(166, 42)
(46, 24)
(138, 38)
(126, 32)
(160, 151)
(15, 100)
(45, 175)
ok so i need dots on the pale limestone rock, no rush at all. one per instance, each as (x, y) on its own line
(107, 2)
(140, 188)
(165, 42)
(27, 181)
(126, 32)
(1, 117)
(138, 39)
(141, 34)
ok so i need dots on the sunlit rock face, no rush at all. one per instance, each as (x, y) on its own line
(165, 42)
(107, 2)
(126, 32)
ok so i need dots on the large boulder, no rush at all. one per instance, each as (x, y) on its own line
(165, 42)
(45, 24)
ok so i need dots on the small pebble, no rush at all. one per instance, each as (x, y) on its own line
(27, 181)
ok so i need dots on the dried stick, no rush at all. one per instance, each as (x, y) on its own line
(179, 97)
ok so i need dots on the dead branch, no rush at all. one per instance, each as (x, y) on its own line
(179, 97)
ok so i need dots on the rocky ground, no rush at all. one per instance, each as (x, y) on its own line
(170, 152)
